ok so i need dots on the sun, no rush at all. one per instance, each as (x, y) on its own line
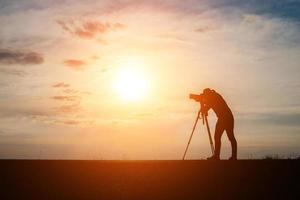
(131, 82)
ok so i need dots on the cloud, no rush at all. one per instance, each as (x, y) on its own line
(286, 119)
(205, 29)
(66, 98)
(288, 9)
(73, 91)
(18, 109)
(73, 122)
(68, 122)
(274, 119)
(75, 64)
(68, 109)
(65, 88)
(20, 57)
(70, 100)
(38, 113)
(61, 85)
(89, 29)
(13, 72)
(70, 91)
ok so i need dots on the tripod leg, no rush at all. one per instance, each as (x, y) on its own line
(194, 127)
(209, 135)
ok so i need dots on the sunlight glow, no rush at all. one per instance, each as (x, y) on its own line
(131, 83)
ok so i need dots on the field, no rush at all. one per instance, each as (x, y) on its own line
(109, 180)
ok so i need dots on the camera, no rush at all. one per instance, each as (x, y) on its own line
(196, 97)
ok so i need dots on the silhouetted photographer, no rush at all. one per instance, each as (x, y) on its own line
(210, 99)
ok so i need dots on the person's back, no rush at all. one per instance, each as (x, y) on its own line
(215, 101)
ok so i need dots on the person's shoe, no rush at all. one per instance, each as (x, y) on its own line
(232, 158)
(213, 158)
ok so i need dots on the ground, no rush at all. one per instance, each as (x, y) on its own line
(155, 180)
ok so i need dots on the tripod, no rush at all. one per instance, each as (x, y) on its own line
(204, 121)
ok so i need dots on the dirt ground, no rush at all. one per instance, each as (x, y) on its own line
(155, 180)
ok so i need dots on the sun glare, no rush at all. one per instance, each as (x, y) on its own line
(131, 83)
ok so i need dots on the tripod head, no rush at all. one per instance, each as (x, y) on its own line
(199, 98)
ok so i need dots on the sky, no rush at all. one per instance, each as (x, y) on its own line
(110, 79)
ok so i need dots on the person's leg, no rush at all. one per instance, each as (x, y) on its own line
(218, 134)
(230, 134)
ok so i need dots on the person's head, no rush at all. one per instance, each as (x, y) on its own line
(207, 91)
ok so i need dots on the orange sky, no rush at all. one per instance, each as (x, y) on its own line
(110, 80)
